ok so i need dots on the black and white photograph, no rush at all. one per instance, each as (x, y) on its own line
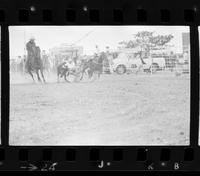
(99, 85)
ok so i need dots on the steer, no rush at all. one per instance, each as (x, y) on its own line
(62, 71)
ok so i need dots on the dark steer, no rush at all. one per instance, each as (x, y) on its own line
(62, 71)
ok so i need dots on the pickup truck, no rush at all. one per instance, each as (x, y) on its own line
(126, 62)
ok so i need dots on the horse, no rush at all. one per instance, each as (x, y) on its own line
(34, 63)
(94, 65)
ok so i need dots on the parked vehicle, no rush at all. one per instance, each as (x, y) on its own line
(129, 62)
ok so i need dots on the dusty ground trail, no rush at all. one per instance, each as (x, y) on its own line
(115, 110)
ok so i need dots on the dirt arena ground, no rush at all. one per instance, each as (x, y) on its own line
(115, 110)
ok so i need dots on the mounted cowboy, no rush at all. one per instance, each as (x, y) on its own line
(30, 46)
(94, 65)
(34, 62)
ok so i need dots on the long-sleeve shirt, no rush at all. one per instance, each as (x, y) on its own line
(30, 46)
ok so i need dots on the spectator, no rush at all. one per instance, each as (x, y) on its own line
(186, 57)
(110, 59)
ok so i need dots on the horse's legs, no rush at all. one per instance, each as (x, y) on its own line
(81, 76)
(58, 75)
(65, 77)
(83, 71)
(90, 73)
(31, 75)
(41, 71)
(38, 76)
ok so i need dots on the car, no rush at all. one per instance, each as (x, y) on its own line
(126, 62)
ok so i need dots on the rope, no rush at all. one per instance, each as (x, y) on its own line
(86, 35)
